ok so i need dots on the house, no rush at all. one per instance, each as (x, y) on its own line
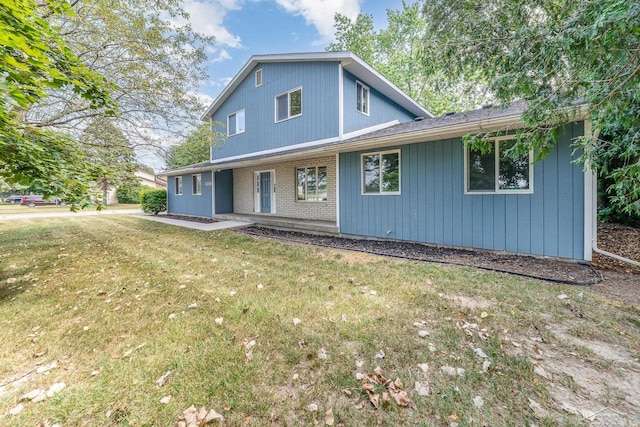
(322, 141)
(145, 178)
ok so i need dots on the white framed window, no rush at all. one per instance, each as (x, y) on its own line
(311, 184)
(259, 77)
(496, 171)
(381, 172)
(235, 123)
(289, 105)
(178, 186)
(362, 98)
(196, 184)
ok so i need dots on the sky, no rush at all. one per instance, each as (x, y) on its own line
(243, 28)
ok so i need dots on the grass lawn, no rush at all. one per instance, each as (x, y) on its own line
(269, 333)
(8, 209)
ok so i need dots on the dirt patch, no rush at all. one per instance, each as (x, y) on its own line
(603, 395)
(470, 303)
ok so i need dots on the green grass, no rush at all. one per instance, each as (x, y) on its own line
(9, 209)
(97, 293)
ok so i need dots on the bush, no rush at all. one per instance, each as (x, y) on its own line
(154, 201)
(129, 194)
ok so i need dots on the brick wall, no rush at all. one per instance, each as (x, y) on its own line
(285, 178)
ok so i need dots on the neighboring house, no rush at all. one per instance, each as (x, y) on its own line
(147, 179)
(323, 141)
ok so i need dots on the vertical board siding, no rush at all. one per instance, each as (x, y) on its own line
(319, 120)
(224, 191)
(381, 108)
(187, 203)
(433, 208)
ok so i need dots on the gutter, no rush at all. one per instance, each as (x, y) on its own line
(594, 200)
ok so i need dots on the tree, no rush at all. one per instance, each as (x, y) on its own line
(397, 53)
(64, 65)
(33, 60)
(195, 148)
(148, 52)
(105, 145)
(553, 54)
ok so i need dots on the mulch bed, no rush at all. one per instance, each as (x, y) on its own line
(540, 268)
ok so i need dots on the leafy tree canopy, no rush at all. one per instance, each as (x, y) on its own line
(552, 54)
(195, 148)
(397, 52)
(65, 65)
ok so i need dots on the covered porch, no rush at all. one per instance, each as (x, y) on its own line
(282, 223)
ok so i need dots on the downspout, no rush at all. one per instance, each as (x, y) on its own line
(594, 239)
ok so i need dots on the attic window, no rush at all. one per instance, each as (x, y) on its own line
(259, 77)
(362, 98)
(289, 105)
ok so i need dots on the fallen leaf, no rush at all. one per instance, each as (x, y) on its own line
(424, 367)
(33, 394)
(422, 388)
(328, 417)
(423, 333)
(212, 415)
(380, 354)
(478, 401)
(55, 389)
(480, 353)
(296, 321)
(163, 379)
(165, 400)
(322, 354)
(250, 344)
(312, 407)
(562, 296)
(96, 371)
(218, 320)
(172, 316)
(194, 305)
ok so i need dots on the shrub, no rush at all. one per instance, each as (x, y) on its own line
(129, 194)
(154, 201)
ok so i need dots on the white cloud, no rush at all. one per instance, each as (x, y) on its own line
(207, 17)
(204, 99)
(320, 13)
(222, 55)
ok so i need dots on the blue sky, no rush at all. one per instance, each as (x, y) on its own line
(243, 28)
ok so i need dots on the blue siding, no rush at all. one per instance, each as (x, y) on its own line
(188, 203)
(319, 120)
(434, 209)
(382, 109)
(224, 191)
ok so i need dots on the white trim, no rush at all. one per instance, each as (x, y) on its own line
(340, 101)
(258, 72)
(367, 102)
(590, 202)
(235, 113)
(197, 177)
(338, 192)
(496, 190)
(175, 186)
(257, 205)
(456, 130)
(213, 193)
(289, 116)
(309, 144)
(381, 193)
(353, 64)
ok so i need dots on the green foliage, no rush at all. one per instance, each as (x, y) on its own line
(552, 54)
(195, 148)
(129, 194)
(153, 201)
(397, 52)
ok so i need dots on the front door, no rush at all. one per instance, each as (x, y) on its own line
(264, 199)
(265, 192)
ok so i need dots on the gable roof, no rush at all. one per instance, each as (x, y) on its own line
(350, 62)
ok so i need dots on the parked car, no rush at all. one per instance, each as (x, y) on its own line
(33, 201)
(13, 199)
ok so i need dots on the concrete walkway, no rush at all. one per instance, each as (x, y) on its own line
(221, 225)
(69, 214)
